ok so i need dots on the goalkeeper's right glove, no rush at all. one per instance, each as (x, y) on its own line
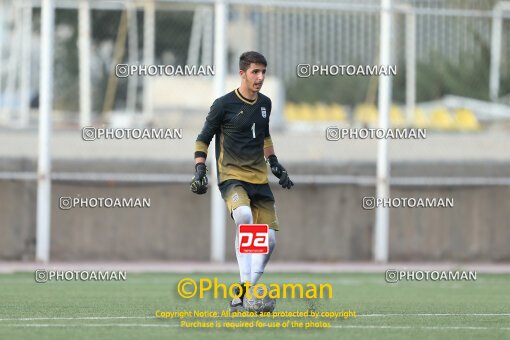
(199, 181)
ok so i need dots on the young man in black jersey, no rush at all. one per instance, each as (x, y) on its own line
(240, 122)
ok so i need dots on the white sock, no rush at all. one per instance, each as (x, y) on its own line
(259, 261)
(243, 215)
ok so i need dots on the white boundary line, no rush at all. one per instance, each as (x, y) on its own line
(47, 325)
(89, 325)
(322, 318)
(206, 268)
(80, 318)
(434, 314)
(422, 327)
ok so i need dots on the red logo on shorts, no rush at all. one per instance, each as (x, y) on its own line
(253, 238)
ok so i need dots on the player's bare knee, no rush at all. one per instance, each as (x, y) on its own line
(242, 215)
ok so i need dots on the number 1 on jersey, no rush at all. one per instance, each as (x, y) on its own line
(253, 129)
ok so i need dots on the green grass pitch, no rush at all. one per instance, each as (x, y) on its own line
(125, 310)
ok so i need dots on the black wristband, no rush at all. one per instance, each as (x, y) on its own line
(200, 154)
(272, 160)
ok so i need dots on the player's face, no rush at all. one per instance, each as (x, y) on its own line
(254, 77)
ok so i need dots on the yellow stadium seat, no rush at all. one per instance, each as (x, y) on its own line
(321, 112)
(421, 120)
(466, 120)
(291, 112)
(337, 112)
(366, 114)
(299, 112)
(306, 112)
(396, 117)
(441, 119)
(317, 112)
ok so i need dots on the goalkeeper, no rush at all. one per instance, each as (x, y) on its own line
(240, 122)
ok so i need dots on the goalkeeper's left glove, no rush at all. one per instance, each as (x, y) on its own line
(280, 172)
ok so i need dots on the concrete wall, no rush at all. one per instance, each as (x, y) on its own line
(318, 222)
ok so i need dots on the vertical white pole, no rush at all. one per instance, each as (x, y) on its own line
(45, 109)
(496, 36)
(133, 57)
(218, 228)
(381, 235)
(13, 62)
(26, 61)
(410, 66)
(148, 57)
(84, 55)
(207, 36)
(2, 10)
(194, 40)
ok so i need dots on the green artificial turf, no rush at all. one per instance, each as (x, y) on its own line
(126, 309)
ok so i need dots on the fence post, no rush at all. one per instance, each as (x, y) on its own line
(45, 110)
(382, 214)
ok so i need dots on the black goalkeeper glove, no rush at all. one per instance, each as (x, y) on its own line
(199, 181)
(280, 172)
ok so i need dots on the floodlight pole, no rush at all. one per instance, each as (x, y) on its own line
(84, 59)
(381, 234)
(410, 66)
(132, 84)
(496, 41)
(26, 61)
(218, 227)
(149, 24)
(2, 11)
(45, 109)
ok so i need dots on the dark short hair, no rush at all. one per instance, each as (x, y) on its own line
(251, 57)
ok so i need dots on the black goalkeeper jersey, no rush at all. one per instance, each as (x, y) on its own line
(241, 128)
